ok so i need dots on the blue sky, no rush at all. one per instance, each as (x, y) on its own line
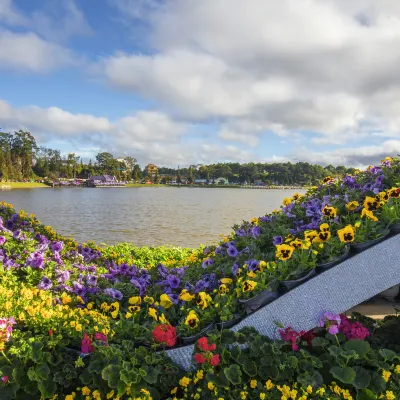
(182, 81)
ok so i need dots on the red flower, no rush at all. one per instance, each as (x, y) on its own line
(4, 378)
(199, 358)
(212, 347)
(202, 343)
(50, 332)
(165, 334)
(308, 337)
(86, 344)
(215, 360)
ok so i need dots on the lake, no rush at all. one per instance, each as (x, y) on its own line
(145, 216)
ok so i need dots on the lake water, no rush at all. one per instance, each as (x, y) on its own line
(145, 216)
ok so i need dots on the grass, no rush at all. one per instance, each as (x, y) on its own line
(143, 185)
(23, 185)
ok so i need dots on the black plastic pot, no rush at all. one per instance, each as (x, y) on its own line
(335, 261)
(395, 228)
(291, 284)
(228, 324)
(260, 300)
(192, 339)
(369, 243)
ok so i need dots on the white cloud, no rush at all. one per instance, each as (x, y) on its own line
(147, 135)
(28, 52)
(290, 66)
(51, 121)
(357, 156)
(9, 15)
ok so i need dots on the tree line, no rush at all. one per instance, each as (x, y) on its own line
(22, 159)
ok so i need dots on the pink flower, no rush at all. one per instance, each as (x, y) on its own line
(4, 378)
(355, 330)
(331, 322)
(101, 337)
(86, 344)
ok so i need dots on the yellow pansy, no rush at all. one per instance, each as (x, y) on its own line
(135, 300)
(165, 301)
(186, 296)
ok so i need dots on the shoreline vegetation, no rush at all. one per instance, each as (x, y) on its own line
(80, 322)
(33, 185)
(21, 159)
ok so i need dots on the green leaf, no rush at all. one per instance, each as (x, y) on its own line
(363, 378)
(111, 374)
(359, 346)
(366, 394)
(47, 388)
(250, 368)
(377, 385)
(268, 372)
(42, 371)
(233, 374)
(129, 377)
(313, 379)
(345, 375)
(96, 366)
(335, 351)
(292, 361)
(36, 353)
(227, 337)
(319, 342)
(236, 352)
(226, 355)
(388, 355)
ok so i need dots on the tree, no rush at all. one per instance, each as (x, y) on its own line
(106, 162)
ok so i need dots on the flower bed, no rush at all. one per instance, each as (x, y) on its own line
(84, 312)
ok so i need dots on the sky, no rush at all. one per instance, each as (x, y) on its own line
(180, 82)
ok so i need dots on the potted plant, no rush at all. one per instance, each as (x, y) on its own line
(257, 285)
(296, 262)
(391, 209)
(369, 230)
(197, 319)
(331, 249)
(227, 309)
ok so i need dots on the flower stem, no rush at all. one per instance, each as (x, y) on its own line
(4, 355)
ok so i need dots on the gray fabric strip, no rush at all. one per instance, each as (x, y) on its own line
(337, 290)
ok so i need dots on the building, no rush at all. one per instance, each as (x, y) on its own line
(151, 170)
(221, 181)
(106, 180)
(200, 181)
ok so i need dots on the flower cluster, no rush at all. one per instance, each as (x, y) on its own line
(205, 354)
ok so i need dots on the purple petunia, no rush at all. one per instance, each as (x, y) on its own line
(173, 281)
(45, 283)
(62, 276)
(35, 260)
(2, 240)
(162, 270)
(232, 251)
(255, 231)
(56, 246)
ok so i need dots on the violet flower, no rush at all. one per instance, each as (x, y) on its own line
(45, 283)
(232, 251)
